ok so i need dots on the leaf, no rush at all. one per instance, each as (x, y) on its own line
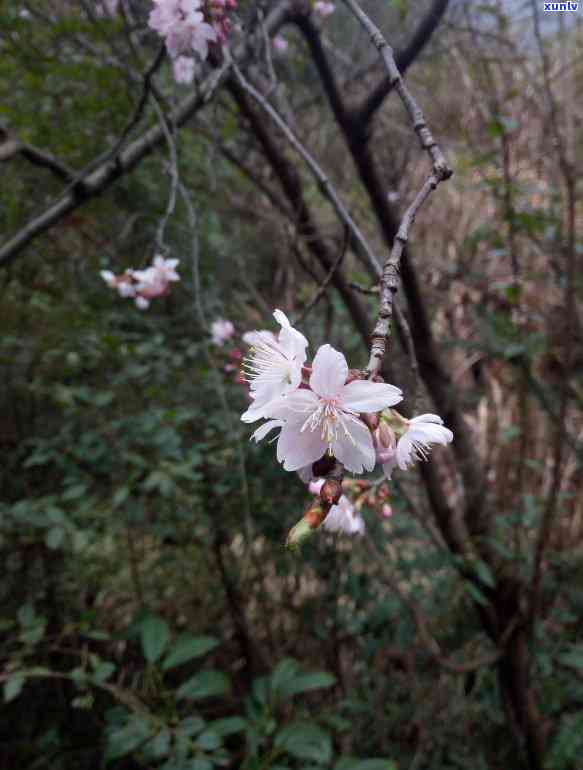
(205, 685)
(306, 682)
(364, 764)
(13, 687)
(155, 637)
(125, 740)
(54, 538)
(305, 741)
(186, 648)
(209, 740)
(573, 658)
(229, 725)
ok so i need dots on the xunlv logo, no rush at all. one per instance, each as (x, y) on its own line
(561, 6)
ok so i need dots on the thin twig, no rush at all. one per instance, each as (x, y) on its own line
(324, 183)
(324, 285)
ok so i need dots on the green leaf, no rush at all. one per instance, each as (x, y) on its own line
(55, 537)
(155, 637)
(125, 740)
(13, 687)
(229, 725)
(205, 685)
(209, 740)
(187, 647)
(573, 658)
(347, 763)
(305, 741)
(305, 683)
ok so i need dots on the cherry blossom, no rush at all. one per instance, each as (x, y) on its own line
(415, 442)
(324, 9)
(183, 69)
(280, 44)
(274, 366)
(344, 518)
(182, 24)
(221, 330)
(144, 285)
(325, 418)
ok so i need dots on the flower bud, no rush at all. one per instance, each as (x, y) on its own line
(371, 419)
(330, 492)
(305, 528)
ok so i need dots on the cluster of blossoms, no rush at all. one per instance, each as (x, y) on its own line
(188, 27)
(144, 285)
(328, 412)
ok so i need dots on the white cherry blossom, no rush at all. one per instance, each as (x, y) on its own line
(221, 330)
(344, 518)
(415, 443)
(274, 366)
(325, 418)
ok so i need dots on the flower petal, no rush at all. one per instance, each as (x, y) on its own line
(296, 449)
(291, 340)
(365, 396)
(356, 450)
(329, 372)
(293, 408)
(266, 428)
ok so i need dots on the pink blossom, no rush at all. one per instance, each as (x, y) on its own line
(316, 485)
(221, 330)
(324, 9)
(280, 44)
(183, 69)
(344, 518)
(325, 418)
(386, 511)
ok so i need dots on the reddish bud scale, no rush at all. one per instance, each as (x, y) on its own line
(331, 492)
(371, 420)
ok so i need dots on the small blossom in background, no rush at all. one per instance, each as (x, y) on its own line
(280, 44)
(221, 331)
(144, 285)
(324, 9)
(188, 27)
(386, 511)
(183, 69)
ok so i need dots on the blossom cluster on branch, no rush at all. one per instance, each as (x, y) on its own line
(188, 27)
(326, 411)
(144, 285)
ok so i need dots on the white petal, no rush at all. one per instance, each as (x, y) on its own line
(291, 340)
(107, 276)
(296, 449)
(365, 396)
(343, 518)
(329, 372)
(255, 337)
(355, 451)
(294, 408)
(389, 466)
(266, 428)
(426, 418)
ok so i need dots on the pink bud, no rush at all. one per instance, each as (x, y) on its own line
(316, 485)
(387, 510)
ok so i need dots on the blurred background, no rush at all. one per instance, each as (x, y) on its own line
(150, 614)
